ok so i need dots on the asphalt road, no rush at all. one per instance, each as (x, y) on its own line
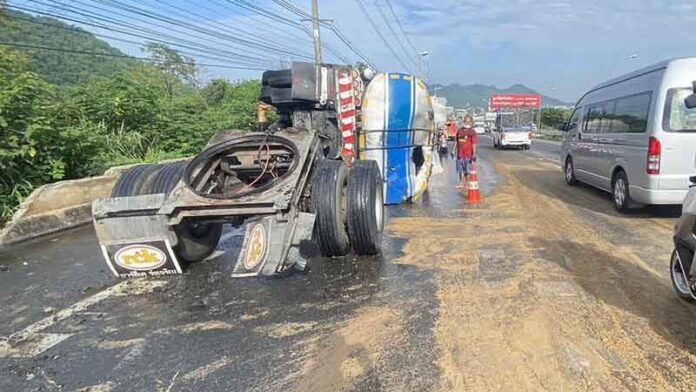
(543, 287)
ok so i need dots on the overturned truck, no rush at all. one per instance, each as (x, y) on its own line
(297, 181)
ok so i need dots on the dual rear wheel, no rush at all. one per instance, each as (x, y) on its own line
(349, 208)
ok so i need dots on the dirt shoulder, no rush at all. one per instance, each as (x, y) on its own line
(546, 291)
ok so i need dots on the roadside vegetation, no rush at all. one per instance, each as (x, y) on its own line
(54, 126)
(551, 118)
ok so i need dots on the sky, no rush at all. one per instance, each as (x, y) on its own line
(558, 47)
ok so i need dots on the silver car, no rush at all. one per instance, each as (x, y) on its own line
(634, 137)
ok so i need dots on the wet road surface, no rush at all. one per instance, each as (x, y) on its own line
(543, 287)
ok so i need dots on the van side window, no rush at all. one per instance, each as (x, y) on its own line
(594, 118)
(574, 121)
(608, 116)
(631, 114)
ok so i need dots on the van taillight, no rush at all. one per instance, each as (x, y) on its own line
(654, 155)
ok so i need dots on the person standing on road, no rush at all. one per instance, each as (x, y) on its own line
(466, 143)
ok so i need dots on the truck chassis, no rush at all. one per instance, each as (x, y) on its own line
(295, 183)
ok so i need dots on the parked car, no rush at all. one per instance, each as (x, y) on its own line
(479, 128)
(507, 133)
(634, 136)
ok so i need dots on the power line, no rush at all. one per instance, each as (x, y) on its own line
(189, 26)
(286, 21)
(382, 37)
(84, 52)
(393, 31)
(401, 26)
(178, 42)
(298, 11)
(223, 27)
(80, 31)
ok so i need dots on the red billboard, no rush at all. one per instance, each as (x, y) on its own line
(515, 101)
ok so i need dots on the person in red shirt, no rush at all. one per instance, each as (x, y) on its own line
(467, 141)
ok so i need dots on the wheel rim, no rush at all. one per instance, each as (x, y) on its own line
(569, 171)
(620, 192)
(680, 281)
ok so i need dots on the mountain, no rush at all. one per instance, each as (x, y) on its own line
(477, 95)
(60, 67)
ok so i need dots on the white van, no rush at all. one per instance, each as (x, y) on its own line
(634, 136)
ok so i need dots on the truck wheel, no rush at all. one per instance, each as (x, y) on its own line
(365, 208)
(223, 137)
(680, 283)
(131, 182)
(197, 240)
(167, 178)
(329, 194)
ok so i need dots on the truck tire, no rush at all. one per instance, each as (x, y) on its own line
(329, 194)
(131, 182)
(365, 208)
(223, 137)
(166, 179)
(197, 240)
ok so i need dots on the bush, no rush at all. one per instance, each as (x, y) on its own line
(52, 133)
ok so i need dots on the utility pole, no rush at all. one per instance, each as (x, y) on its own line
(317, 33)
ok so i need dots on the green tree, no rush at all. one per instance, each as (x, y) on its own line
(176, 69)
(551, 117)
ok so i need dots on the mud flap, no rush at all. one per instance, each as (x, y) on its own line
(141, 259)
(135, 245)
(271, 246)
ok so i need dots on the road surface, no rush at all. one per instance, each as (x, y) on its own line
(543, 287)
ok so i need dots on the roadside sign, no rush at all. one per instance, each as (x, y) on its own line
(515, 101)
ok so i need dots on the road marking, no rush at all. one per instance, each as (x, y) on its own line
(31, 341)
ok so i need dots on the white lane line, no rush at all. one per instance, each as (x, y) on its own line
(30, 342)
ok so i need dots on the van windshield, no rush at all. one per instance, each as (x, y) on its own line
(679, 118)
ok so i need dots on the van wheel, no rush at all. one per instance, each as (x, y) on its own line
(570, 172)
(680, 282)
(622, 198)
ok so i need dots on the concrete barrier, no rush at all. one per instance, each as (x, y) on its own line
(61, 205)
(55, 207)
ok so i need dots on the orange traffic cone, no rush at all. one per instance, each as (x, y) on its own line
(474, 195)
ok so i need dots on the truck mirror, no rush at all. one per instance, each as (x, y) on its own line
(690, 101)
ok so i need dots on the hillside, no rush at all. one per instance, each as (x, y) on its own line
(477, 95)
(60, 67)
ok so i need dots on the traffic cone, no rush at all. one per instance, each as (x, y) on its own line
(474, 195)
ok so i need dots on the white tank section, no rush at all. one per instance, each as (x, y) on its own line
(398, 131)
